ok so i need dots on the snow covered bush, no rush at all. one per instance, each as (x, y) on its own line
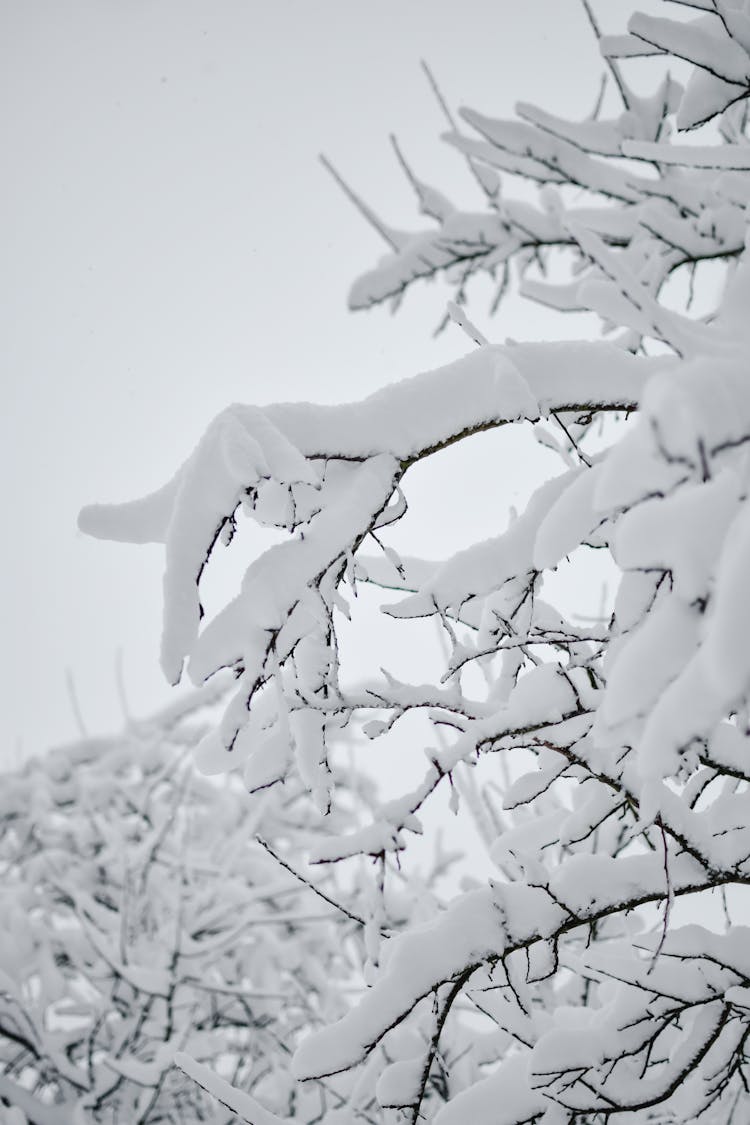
(595, 975)
(139, 918)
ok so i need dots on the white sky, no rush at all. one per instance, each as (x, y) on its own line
(170, 245)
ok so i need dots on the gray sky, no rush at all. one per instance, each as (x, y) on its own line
(172, 245)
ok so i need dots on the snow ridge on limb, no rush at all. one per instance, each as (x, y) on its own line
(478, 929)
(246, 1108)
(312, 470)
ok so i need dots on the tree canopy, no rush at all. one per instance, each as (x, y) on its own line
(573, 986)
(140, 916)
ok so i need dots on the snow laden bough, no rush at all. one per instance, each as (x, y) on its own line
(330, 476)
(131, 930)
(562, 990)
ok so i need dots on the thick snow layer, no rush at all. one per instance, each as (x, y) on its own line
(307, 728)
(704, 42)
(679, 533)
(245, 1106)
(726, 651)
(400, 1083)
(507, 382)
(647, 660)
(138, 521)
(486, 566)
(465, 934)
(477, 926)
(275, 585)
(504, 1098)
(570, 520)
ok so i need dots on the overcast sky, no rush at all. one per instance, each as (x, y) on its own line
(171, 244)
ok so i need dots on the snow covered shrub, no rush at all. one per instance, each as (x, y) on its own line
(139, 918)
(593, 976)
(12, 1115)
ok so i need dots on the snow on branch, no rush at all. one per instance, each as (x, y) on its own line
(656, 224)
(134, 935)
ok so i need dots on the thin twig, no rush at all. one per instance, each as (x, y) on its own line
(667, 902)
(439, 96)
(571, 439)
(459, 317)
(306, 882)
(368, 213)
(612, 66)
(73, 697)
(451, 120)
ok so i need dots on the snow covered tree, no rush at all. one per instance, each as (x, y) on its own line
(594, 977)
(139, 917)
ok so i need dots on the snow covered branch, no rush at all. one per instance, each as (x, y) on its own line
(602, 762)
